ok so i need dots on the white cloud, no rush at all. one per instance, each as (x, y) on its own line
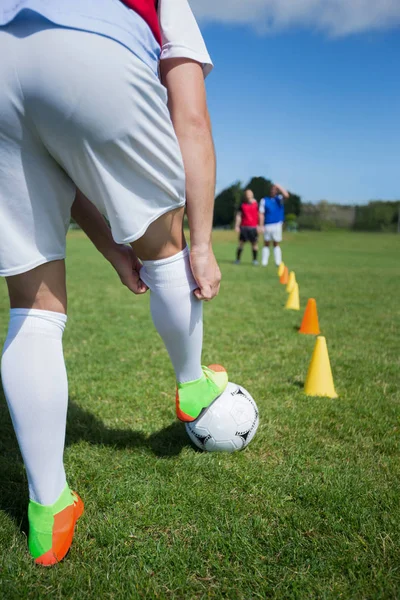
(336, 17)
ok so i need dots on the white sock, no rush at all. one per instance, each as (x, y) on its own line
(278, 255)
(176, 312)
(36, 390)
(265, 256)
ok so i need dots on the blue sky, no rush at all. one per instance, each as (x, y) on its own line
(317, 112)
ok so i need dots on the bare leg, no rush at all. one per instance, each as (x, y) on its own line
(176, 313)
(239, 251)
(255, 252)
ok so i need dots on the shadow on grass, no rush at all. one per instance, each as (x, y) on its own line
(13, 485)
(297, 383)
(82, 425)
(243, 263)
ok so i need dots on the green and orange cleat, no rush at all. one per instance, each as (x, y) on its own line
(51, 528)
(194, 397)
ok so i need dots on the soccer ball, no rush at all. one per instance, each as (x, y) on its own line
(229, 424)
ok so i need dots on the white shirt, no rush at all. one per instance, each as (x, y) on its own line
(181, 36)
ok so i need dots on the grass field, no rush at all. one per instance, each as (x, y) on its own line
(310, 510)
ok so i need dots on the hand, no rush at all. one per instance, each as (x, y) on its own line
(237, 229)
(260, 229)
(128, 266)
(205, 271)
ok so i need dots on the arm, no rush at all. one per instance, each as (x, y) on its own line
(261, 213)
(282, 190)
(188, 108)
(238, 221)
(121, 257)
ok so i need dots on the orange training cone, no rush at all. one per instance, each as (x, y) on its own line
(291, 282)
(281, 268)
(319, 380)
(293, 302)
(284, 278)
(310, 322)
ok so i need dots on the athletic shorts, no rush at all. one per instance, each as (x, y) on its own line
(249, 234)
(78, 110)
(273, 232)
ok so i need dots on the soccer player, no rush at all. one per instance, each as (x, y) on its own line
(272, 216)
(246, 225)
(88, 128)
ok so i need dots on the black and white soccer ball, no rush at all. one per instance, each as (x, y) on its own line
(229, 424)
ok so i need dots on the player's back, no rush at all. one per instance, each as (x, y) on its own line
(274, 209)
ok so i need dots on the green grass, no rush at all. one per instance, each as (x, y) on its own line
(309, 510)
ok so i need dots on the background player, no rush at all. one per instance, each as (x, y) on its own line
(272, 216)
(246, 225)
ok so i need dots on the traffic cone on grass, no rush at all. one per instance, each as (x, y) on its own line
(281, 268)
(284, 278)
(310, 324)
(291, 282)
(319, 381)
(293, 302)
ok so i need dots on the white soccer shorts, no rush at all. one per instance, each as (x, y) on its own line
(273, 232)
(78, 110)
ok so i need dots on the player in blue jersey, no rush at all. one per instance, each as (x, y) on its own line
(272, 216)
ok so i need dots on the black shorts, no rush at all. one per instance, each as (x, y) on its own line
(248, 234)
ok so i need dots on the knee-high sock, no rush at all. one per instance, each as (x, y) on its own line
(278, 255)
(177, 314)
(36, 389)
(265, 256)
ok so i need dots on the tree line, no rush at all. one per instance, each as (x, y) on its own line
(377, 215)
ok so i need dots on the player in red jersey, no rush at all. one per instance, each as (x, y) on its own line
(246, 225)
